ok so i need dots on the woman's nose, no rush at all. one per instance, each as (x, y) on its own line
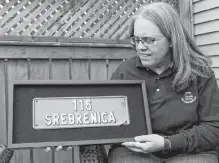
(141, 45)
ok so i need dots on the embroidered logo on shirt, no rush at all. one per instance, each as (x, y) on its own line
(188, 98)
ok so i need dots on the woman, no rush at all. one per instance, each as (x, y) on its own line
(182, 92)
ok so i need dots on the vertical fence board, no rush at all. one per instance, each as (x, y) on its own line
(39, 70)
(60, 71)
(17, 70)
(76, 154)
(3, 119)
(80, 69)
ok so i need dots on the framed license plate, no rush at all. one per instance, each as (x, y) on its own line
(77, 112)
(53, 113)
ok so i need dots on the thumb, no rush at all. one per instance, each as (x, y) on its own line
(144, 138)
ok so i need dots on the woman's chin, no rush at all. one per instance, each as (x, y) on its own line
(146, 63)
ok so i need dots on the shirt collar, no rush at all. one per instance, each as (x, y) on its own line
(139, 64)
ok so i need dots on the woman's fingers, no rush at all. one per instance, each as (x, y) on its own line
(67, 148)
(48, 149)
(139, 147)
(132, 144)
(58, 148)
(135, 149)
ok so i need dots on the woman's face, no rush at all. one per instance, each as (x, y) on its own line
(154, 53)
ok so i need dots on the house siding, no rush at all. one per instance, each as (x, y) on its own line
(206, 29)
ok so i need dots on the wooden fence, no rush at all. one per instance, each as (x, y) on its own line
(37, 58)
(69, 18)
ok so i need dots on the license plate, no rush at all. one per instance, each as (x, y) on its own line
(79, 112)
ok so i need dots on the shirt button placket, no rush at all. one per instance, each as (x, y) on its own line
(158, 89)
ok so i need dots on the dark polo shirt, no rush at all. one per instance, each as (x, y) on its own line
(189, 117)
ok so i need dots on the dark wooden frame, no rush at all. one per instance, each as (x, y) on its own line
(61, 82)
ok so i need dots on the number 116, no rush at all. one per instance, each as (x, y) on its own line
(82, 104)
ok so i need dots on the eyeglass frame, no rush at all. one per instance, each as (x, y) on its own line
(141, 39)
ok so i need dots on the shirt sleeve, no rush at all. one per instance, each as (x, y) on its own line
(117, 75)
(204, 135)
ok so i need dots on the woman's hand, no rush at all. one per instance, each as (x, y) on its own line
(146, 143)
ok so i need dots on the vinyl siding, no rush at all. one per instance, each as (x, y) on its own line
(206, 29)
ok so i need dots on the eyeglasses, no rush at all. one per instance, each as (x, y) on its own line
(146, 41)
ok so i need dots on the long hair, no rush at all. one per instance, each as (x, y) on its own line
(189, 62)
